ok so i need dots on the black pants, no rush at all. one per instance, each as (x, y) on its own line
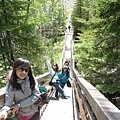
(36, 116)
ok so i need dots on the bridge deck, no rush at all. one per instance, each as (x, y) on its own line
(61, 109)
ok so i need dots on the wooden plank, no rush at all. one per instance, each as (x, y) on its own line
(2, 94)
(80, 104)
(59, 109)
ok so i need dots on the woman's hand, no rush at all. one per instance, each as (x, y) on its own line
(44, 57)
(15, 108)
(3, 115)
(2, 118)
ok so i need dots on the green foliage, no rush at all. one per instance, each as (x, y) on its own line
(2, 77)
(109, 88)
(118, 104)
(98, 52)
(20, 37)
(13, 117)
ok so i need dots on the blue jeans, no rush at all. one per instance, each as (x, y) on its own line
(58, 89)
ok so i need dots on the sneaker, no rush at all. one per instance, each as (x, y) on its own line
(56, 96)
(65, 97)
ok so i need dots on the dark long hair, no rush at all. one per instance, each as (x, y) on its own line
(57, 68)
(67, 62)
(13, 79)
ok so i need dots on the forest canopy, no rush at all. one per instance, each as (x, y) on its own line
(96, 26)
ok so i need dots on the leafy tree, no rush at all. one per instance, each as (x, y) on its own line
(99, 51)
(20, 37)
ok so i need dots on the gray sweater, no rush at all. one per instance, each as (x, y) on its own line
(26, 97)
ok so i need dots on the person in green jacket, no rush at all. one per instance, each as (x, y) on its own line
(64, 75)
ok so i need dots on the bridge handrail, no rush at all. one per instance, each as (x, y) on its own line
(101, 106)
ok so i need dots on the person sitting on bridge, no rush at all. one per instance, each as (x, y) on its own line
(54, 70)
(22, 90)
(64, 76)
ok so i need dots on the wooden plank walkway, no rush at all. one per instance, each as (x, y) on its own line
(61, 109)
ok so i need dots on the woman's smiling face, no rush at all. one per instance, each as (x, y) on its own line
(22, 72)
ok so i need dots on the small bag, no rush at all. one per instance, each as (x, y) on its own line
(50, 82)
(43, 98)
(68, 83)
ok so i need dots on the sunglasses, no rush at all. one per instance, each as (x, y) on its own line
(21, 69)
